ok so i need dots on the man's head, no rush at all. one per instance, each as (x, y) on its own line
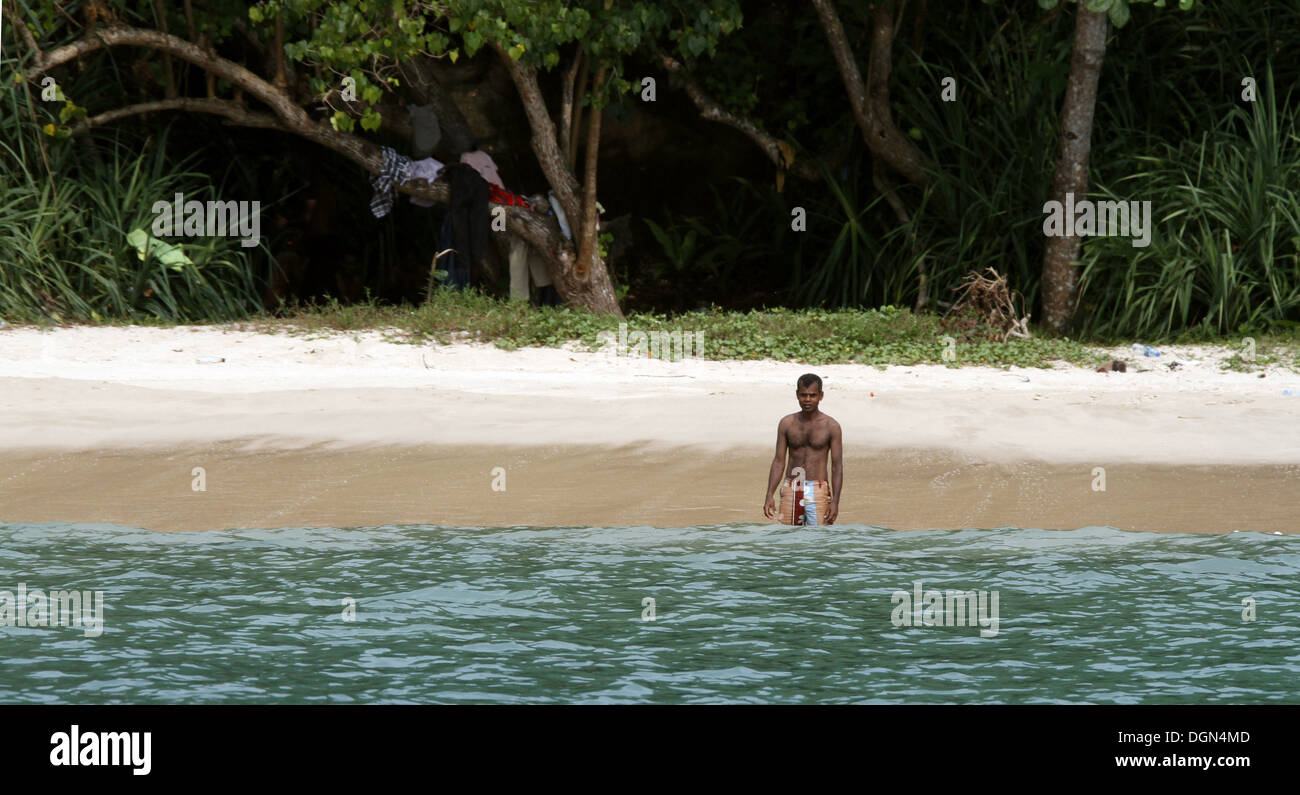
(808, 391)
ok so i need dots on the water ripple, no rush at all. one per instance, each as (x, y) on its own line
(742, 613)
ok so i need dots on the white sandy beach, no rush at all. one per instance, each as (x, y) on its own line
(88, 387)
(118, 391)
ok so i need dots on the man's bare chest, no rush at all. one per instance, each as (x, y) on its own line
(816, 436)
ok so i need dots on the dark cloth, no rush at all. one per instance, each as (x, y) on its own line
(425, 133)
(457, 268)
(548, 296)
(469, 213)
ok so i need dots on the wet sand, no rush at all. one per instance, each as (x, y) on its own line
(628, 485)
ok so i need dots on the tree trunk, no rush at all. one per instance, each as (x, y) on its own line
(570, 140)
(1060, 268)
(593, 288)
(566, 102)
(588, 251)
(281, 80)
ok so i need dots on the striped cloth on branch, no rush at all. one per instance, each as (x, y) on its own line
(395, 171)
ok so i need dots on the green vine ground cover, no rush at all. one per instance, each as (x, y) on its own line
(887, 336)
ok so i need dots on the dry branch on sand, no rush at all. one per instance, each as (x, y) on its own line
(986, 307)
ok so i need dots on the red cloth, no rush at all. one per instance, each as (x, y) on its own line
(502, 196)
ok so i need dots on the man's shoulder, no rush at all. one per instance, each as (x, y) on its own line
(830, 421)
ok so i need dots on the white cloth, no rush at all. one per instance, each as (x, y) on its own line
(525, 260)
(426, 169)
(559, 215)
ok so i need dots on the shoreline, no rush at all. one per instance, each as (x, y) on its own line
(94, 412)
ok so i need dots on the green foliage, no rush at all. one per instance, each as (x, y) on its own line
(357, 39)
(777, 73)
(64, 250)
(745, 226)
(678, 245)
(979, 209)
(1225, 254)
(146, 245)
(854, 241)
(1221, 179)
(876, 337)
(1227, 259)
(1119, 11)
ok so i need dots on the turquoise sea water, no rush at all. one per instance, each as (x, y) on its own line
(742, 613)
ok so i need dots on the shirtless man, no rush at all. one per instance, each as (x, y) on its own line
(808, 435)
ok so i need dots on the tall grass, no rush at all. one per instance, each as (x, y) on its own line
(992, 148)
(63, 249)
(983, 206)
(1225, 252)
(845, 229)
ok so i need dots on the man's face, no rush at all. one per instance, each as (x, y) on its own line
(809, 397)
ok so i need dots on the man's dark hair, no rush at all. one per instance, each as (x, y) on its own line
(808, 379)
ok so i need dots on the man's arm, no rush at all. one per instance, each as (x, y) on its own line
(837, 473)
(775, 471)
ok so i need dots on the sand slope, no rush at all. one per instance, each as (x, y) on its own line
(137, 396)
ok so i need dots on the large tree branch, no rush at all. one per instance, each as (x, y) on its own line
(277, 100)
(288, 116)
(589, 285)
(871, 107)
(292, 117)
(233, 111)
(545, 144)
(711, 110)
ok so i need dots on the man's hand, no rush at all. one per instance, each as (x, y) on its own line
(832, 512)
(769, 507)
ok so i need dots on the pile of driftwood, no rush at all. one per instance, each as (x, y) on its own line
(986, 307)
